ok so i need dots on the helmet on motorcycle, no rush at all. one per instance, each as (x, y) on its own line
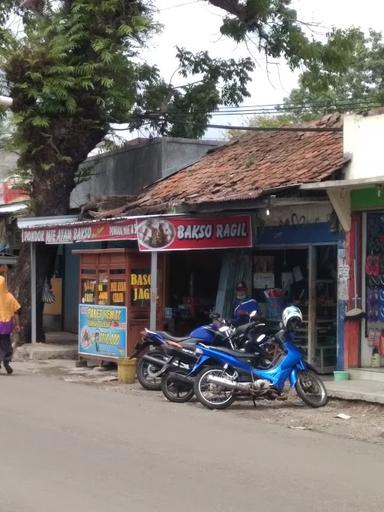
(292, 318)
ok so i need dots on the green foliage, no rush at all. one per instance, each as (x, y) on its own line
(260, 121)
(348, 77)
(74, 69)
(184, 111)
(273, 25)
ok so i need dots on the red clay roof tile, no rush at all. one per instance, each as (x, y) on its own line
(248, 167)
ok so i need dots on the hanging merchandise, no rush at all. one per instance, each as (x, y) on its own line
(372, 266)
(48, 297)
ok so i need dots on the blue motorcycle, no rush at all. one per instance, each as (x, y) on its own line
(221, 375)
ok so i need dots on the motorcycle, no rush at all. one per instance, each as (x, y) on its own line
(153, 363)
(221, 375)
(178, 387)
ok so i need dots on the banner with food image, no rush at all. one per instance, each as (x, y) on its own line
(189, 233)
(103, 331)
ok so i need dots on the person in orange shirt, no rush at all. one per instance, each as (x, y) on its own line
(9, 322)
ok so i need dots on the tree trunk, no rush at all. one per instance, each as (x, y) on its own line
(50, 196)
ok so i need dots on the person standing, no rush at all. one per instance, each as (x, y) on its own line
(243, 306)
(9, 322)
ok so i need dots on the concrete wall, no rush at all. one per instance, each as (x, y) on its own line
(127, 171)
(363, 139)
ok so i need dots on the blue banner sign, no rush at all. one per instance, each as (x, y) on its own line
(103, 331)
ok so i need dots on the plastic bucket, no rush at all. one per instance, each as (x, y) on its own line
(126, 370)
(341, 375)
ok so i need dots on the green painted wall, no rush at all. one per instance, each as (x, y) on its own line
(367, 198)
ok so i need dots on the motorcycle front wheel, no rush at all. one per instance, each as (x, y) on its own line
(175, 390)
(146, 371)
(210, 394)
(311, 388)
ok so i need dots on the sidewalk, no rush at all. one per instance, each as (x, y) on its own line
(58, 345)
(365, 390)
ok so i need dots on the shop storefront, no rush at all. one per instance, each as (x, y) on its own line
(365, 335)
(164, 273)
(297, 262)
(371, 276)
(171, 272)
(306, 277)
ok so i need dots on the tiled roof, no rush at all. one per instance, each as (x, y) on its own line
(246, 168)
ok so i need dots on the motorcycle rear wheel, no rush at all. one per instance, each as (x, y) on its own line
(209, 394)
(176, 391)
(145, 371)
(311, 389)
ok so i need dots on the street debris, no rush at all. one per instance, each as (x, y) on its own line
(343, 416)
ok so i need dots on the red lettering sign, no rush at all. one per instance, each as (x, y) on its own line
(82, 232)
(181, 233)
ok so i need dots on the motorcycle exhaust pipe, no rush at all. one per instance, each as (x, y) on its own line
(154, 360)
(182, 378)
(229, 384)
(258, 386)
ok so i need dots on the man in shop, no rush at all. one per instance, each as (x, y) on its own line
(243, 305)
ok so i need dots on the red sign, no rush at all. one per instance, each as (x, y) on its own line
(82, 232)
(181, 233)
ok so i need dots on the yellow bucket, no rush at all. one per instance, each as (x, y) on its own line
(126, 370)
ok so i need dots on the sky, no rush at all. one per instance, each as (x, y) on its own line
(194, 24)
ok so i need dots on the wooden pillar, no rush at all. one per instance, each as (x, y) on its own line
(352, 328)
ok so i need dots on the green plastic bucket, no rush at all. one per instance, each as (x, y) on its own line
(341, 375)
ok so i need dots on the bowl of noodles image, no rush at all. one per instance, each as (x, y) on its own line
(156, 234)
(85, 338)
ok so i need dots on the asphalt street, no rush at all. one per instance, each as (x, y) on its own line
(72, 447)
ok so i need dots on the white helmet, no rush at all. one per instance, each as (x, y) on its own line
(292, 317)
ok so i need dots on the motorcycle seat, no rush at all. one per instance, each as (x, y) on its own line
(235, 353)
(174, 338)
(189, 344)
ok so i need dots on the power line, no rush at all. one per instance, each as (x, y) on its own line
(279, 129)
(179, 5)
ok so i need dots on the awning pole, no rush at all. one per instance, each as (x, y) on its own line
(152, 317)
(33, 293)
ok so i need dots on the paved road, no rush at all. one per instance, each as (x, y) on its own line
(70, 447)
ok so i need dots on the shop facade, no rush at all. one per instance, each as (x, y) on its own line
(140, 279)
(170, 272)
(364, 345)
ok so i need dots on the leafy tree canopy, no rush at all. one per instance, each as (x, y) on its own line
(356, 83)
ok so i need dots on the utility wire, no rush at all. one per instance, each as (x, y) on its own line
(179, 5)
(279, 129)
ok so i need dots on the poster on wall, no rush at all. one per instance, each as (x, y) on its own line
(103, 331)
(188, 233)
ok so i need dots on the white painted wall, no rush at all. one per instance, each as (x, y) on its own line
(364, 141)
